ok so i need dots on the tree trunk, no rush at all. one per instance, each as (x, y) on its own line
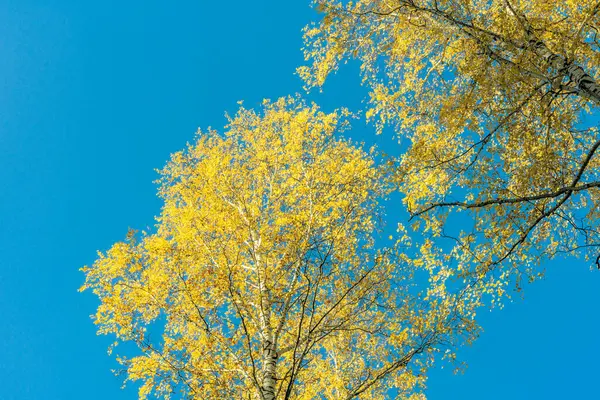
(269, 350)
(269, 369)
(582, 80)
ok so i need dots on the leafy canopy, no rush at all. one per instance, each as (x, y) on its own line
(263, 279)
(496, 102)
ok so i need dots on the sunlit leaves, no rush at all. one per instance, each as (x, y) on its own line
(494, 99)
(263, 278)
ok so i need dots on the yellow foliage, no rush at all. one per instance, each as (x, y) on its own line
(495, 98)
(262, 277)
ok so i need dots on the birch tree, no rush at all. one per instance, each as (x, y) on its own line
(495, 102)
(263, 278)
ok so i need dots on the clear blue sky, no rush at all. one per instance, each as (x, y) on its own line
(95, 95)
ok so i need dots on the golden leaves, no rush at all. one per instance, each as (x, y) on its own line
(489, 113)
(265, 245)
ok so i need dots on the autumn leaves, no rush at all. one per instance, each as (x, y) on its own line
(265, 277)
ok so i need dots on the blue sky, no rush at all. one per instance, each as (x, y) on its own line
(95, 95)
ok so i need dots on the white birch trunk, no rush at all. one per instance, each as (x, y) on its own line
(269, 380)
(582, 80)
(269, 351)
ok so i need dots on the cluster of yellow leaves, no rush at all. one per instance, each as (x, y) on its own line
(262, 279)
(491, 97)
